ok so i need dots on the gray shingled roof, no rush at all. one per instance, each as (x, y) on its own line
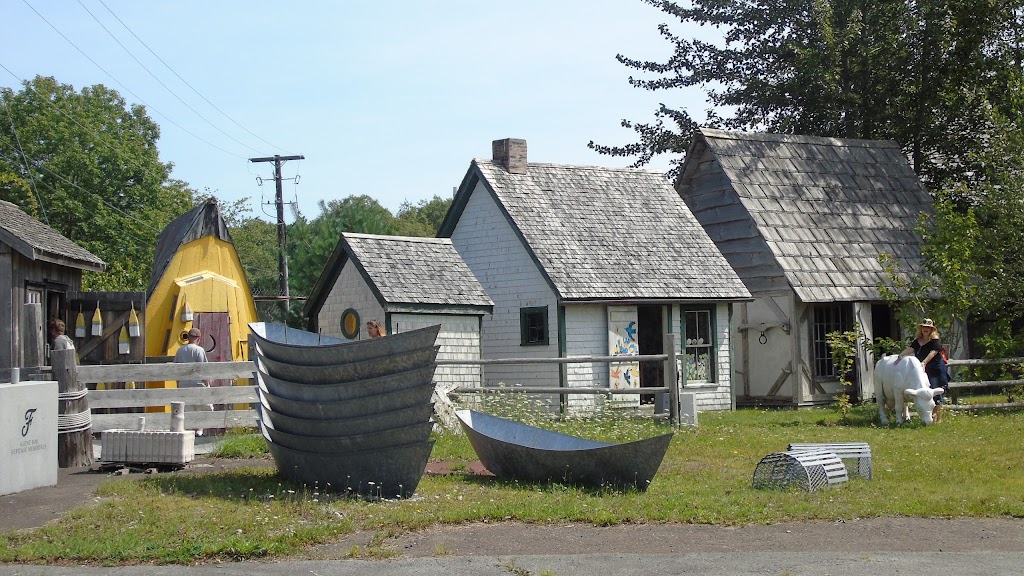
(407, 270)
(827, 207)
(37, 241)
(607, 233)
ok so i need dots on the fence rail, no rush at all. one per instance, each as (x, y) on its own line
(972, 384)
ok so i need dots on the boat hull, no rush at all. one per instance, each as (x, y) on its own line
(363, 424)
(357, 443)
(343, 409)
(513, 450)
(346, 390)
(349, 371)
(392, 472)
(288, 345)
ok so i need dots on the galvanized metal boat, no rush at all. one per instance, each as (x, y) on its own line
(356, 443)
(363, 424)
(518, 451)
(291, 346)
(350, 371)
(344, 390)
(342, 409)
(392, 472)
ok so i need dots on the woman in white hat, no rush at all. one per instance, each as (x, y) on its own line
(927, 347)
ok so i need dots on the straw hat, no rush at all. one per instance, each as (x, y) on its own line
(926, 323)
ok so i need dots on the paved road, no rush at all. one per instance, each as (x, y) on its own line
(738, 564)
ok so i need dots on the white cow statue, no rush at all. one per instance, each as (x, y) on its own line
(898, 381)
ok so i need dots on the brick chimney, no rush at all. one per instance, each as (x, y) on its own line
(510, 153)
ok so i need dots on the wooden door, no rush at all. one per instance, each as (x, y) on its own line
(216, 340)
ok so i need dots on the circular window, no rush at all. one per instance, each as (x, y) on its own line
(350, 323)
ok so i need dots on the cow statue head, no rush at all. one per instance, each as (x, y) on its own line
(924, 401)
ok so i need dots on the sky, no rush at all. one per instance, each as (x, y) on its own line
(388, 99)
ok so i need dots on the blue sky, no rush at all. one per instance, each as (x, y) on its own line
(388, 99)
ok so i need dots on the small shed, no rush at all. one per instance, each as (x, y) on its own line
(803, 221)
(198, 281)
(37, 266)
(405, 283)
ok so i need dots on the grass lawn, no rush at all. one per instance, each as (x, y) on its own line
(969, 465)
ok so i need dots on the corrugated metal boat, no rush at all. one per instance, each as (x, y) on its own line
(345, 390)
(342, 409)
(356, 443)
(518, 451)
(350, 371)
(392, 472)
(292, 346)
(364, 424)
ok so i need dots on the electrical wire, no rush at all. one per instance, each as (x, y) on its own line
(40, 166)
(128, 90)
(168, 66)
(32, 181)
(161, 82)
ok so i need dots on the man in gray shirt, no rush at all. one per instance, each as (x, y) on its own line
(193, 352)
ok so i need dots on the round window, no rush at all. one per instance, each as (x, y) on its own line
(350, 323)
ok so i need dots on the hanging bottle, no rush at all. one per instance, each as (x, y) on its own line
(97, 321)
(80, 324)
(122, 341)
(186, 312)
(133, 323)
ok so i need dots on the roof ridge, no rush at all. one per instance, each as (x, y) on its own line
(579, 167)
(430, 239)
(793, 138)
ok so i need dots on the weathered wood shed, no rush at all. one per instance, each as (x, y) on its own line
(803, 221)
(37, 265)
(592, 261)
(405, 283)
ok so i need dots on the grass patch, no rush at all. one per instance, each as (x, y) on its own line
(964, 467)
(240, 443)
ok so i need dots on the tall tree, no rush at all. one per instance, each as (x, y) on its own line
(424, 218)
(927, 74)
(93, 164)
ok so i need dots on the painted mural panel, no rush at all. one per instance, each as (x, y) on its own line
(622, 326)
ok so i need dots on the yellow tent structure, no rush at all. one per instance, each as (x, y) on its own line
(198, 282)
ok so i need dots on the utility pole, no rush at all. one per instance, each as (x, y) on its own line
(282, 232)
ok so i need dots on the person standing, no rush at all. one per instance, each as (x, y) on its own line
(374, 329)
(60, 341)
(193, 352)
(927, 347)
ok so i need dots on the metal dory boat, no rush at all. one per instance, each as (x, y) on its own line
(350, 371)
(518, 451)
(356, 443)
(365, 424)
(345, 390)
(342, 409)
(291, 346)
(392, 472)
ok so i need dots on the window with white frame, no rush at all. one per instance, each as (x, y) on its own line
(828, 318)
(699, 346)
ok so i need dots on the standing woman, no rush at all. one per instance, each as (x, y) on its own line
(927, 347)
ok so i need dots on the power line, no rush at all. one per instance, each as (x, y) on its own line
(128, 90)
(39, 165)
(32, 181)
(45, 99)
(168, 66)
(150, 72)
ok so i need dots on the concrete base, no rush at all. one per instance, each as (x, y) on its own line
(28, 436)
(148, 446)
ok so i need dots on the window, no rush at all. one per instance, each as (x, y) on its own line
(828, 318)
(533, 326)
(699, 346)
(350, 323)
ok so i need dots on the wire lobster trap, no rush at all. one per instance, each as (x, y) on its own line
(808, 470)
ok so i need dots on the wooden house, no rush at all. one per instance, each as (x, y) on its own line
(591, 261)
(37, 266)
(803, 221)
(404, 283)
(198, 281)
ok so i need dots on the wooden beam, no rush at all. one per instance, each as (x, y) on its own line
(164, 396)
(161, 372)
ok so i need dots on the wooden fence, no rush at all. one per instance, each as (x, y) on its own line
(957, 385)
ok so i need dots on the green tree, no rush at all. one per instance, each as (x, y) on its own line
(929, 75)
(93, 163)
(424, 218)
